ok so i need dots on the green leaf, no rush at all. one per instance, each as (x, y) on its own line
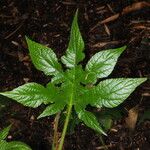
(52, 109)
(30, 94)
(106, 122)
(17, 146)
(114, 113)
(90, 120)
(112, 92)
(43, 58)
(3, 145)
(102, 64)
(74, 52)
(4, 133)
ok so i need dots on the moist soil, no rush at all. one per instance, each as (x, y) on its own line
(48, 22)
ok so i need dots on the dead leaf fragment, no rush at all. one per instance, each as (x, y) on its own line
(131, 120)
(135, 6)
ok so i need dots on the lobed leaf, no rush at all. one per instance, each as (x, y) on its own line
(52, 109)
(30, 94)
(90, 120)
(74, 52)
(102, 64)
(43, 58)
(112, 92)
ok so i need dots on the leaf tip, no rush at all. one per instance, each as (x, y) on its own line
(143, 79)
(76, 15)
(27, 38)
(77, 11)
(3, 93)
(39, 117)
(123, 48)
(42, 115)
(104, 134)
(8, 127)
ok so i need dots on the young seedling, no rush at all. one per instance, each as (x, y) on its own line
(70, 87)
(14, 145)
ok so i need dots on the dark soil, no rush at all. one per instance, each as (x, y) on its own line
(49, 22)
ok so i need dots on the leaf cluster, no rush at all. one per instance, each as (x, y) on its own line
(75, 86)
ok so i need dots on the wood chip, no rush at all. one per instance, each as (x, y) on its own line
(126, 10)
(146, 94)
(15, 43)
(107, 29)
(102, 44)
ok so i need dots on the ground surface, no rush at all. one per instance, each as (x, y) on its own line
(49, 22)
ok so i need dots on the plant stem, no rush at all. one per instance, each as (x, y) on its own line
(66, 124)
(55, 138)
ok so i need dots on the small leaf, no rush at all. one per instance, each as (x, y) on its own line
(102, 64)
(4, 133)
(114, 113)
(90, 120)
(74, 52)
(52, 109)
(112, 92)
(43, 58)
(17, 146)
(106, 122)
(30, 94)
